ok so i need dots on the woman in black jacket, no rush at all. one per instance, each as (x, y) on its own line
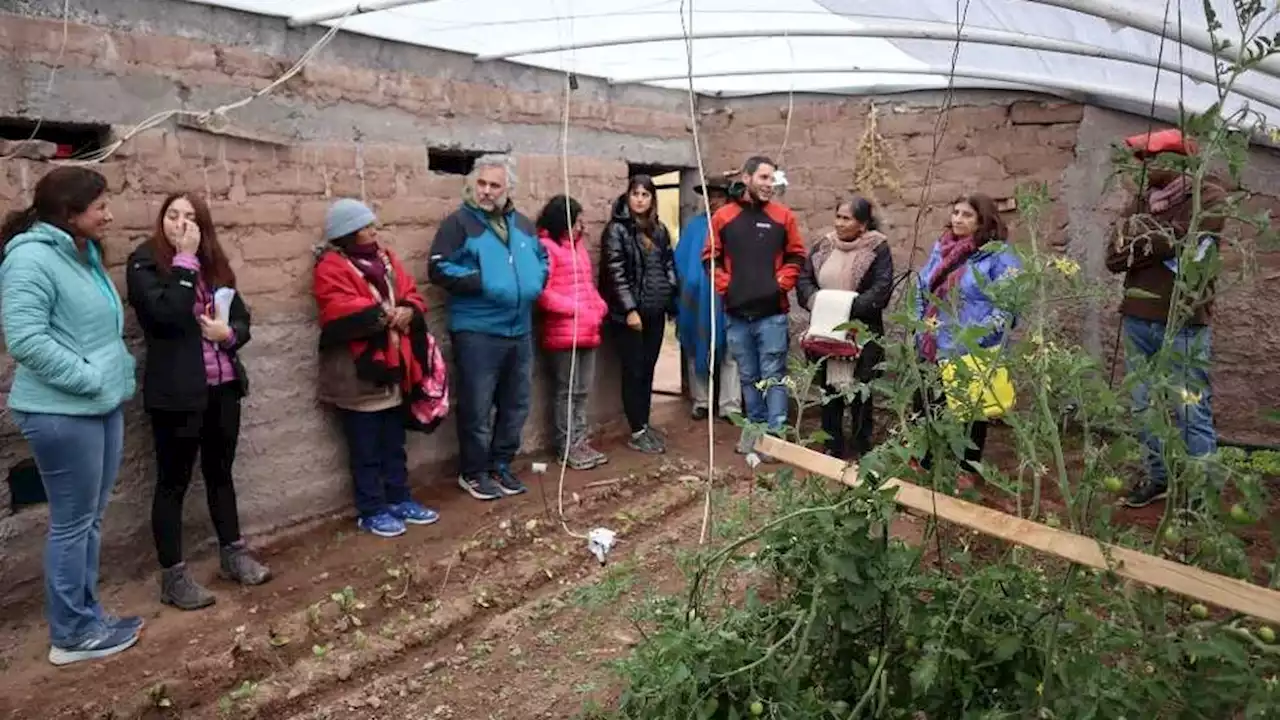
(854, 257)
(192, 387)
(638, 282)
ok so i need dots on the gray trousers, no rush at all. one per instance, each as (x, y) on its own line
(729, 388)
(569, 403)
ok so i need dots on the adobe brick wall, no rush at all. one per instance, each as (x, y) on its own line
(992, 143)
(357, 123)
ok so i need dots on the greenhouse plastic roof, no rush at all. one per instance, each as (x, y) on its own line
(777, 62)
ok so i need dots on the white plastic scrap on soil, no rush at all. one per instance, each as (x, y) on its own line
(600, 540)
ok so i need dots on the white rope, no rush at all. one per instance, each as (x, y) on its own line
(217, 115)
(687, 29)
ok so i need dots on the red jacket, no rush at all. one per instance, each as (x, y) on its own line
(565, 290)
(759, 255)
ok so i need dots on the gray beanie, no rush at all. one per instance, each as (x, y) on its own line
(346, 216)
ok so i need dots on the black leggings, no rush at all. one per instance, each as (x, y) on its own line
(179, 437)
(977, 431)
(638, 352)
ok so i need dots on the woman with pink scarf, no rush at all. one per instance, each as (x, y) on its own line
(952, 296)
(853, 260)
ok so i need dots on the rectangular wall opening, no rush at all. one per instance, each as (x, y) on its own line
(70, 139)
(452, 161)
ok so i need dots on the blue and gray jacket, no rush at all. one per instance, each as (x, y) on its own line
(493, 281)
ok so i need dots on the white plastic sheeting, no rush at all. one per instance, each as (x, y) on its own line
(776, 61)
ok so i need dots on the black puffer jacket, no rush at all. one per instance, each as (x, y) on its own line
(624, 284)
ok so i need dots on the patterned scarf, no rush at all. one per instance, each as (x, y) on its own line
(848, 261)
(368, 260)
(955, 252)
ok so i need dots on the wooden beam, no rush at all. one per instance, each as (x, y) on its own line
(1225, 592)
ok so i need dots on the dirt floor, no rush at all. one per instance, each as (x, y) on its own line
(495, 612)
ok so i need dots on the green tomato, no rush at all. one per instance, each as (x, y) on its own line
(873, 659)
(840, 707)
(1266, 634)
(1240, 514)
(1199, 612)
(912, 643)
(1113, 484)
(1171, 535)
(757, 708)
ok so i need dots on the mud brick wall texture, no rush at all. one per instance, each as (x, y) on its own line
(350, 127)
(993, 142)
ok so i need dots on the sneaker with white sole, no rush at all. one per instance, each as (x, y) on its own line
(413, 513)
(383, 524)
(479, 486)
(507, 481)
(105, 642)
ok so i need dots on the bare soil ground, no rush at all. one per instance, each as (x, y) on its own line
(495, 612)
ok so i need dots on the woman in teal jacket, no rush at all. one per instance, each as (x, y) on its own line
(63, 324)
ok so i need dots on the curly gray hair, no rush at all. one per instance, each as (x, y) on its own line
(504, 161)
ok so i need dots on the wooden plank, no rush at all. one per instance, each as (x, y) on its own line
(1225, 592)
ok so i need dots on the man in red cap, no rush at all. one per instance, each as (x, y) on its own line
(1147, 248)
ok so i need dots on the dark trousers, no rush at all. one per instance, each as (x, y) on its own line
(977, 430)
(493, 378)
(379, 465)
(211, 433)
(833, 415)
(638, 351)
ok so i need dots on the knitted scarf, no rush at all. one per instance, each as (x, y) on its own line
(955, 252)
(848, 261)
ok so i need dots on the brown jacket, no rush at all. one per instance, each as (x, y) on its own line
(338, 385)
(1142, 243)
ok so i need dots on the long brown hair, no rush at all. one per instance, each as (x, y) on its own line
(214, 266)
(991, 227)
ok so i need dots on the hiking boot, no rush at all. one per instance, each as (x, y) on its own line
(412, 513)
(480, 486)
(580, 458)
(646, 441)
(597, 458)
(179, 589)
(507, 481)
(699, 413)
(1145, 493)
(382, 524)
(238, 565)
(104, 642)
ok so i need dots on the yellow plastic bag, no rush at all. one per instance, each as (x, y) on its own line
(989, 394)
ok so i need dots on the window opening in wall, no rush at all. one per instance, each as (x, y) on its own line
(452, 161)
(69, 139)
(664, 177)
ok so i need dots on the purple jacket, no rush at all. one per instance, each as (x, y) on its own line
(974, 307)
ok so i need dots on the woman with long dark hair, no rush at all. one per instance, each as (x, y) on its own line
(952, 295)
(63, 326)
(195, 324)
(572, 312)
(638, 281)
(855, 262)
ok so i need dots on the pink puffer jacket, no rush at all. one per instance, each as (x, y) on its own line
(566, 290)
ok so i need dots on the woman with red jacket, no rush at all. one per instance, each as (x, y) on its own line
(376, 357)
(572, 313)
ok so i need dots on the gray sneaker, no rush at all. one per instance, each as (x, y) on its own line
(240, 566)
(597, 458)
(646, 441)
(580, 458)
(179, 589)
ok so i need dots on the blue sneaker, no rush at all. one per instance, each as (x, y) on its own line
(383, 524)
(480, 486)
(507, 481)
(128, 622)
(413, 513)
(105, 642)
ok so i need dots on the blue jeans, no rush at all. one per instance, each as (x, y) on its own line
(379, 465)
(79, 459)
(760, 349)
(493, 376)
(1193, 345)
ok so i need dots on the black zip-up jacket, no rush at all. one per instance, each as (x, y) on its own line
(174, 376)
(624, 283)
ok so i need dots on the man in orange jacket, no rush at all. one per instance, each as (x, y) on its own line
(758, 252)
